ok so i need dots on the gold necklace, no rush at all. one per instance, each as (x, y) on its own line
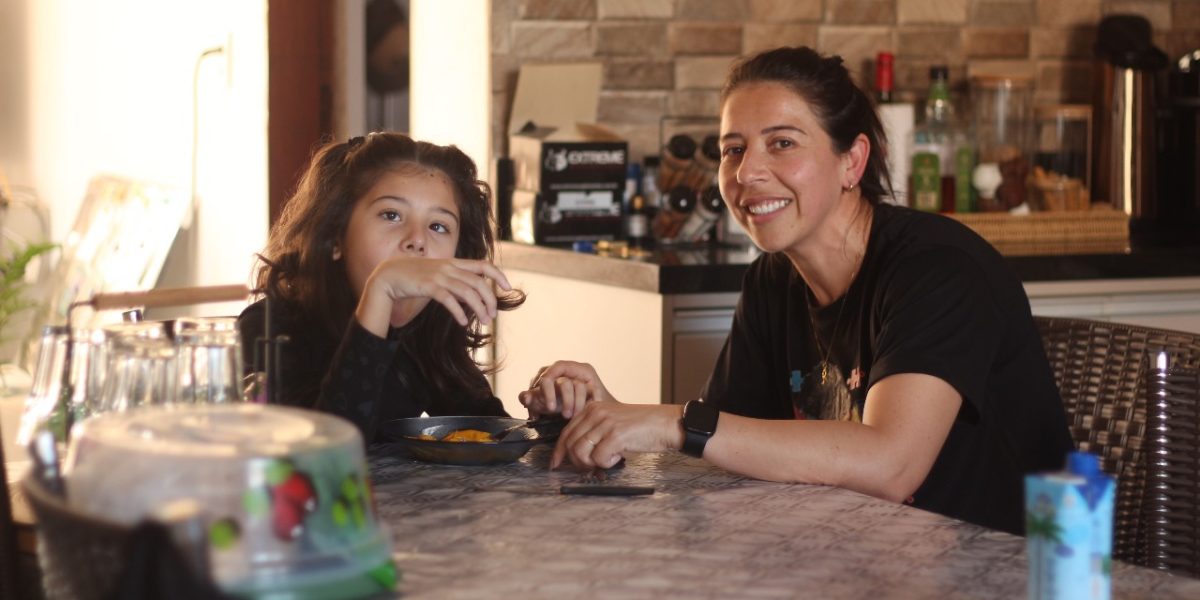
(824, 364)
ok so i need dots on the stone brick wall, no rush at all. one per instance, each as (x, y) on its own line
(669, 57)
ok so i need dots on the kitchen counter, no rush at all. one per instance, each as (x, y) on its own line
(714, 269)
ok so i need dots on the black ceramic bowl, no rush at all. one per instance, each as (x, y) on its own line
(407, 432)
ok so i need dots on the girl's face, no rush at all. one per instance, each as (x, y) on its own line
(780, 175)
(409, 212)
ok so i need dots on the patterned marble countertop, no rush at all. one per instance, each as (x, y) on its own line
(506, 532)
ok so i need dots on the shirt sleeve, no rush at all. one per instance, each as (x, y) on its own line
(353, 385)
(937, 316)
(746, 379)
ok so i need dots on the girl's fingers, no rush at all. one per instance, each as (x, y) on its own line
(566, 396)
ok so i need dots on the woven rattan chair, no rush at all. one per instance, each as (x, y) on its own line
(1103, 374)
(1172, 503)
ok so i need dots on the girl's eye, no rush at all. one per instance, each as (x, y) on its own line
(438, 227)
(390, 215)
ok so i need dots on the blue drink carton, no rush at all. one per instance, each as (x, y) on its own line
(1068, 531)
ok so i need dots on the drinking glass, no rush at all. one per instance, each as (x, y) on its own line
(209, 353)
(55, 402)
(141, 372)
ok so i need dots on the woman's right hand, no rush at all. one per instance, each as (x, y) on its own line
(399, 288)
(563, 387)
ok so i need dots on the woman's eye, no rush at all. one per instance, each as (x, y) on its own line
(783, 143)
(731, 151)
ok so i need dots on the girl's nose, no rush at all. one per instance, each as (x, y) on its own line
(414, 243)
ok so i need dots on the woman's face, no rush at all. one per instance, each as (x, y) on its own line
(779, 174)
(408, 212)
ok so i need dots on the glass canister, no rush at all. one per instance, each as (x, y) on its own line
(1062, 177)
(1002, 115)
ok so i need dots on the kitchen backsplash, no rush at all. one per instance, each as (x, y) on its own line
(669, 57)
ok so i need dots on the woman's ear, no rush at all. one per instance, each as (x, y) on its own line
(854, 161)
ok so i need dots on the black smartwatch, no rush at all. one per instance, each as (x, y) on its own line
(699, 424)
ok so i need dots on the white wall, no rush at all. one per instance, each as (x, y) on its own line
(450, 76)
(106, 87)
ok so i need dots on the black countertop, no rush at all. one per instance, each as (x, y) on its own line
(714, 269)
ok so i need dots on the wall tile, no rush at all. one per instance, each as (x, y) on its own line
(1066, 13)
(1158, 12)
(944, 43)
(504, 14)
(694, 102)
(706, 72)
(547, 40)
(639, 75)
(704, 38)
(631, 106)
(757, 37)
(557, 9)
(727, 11)
(1076, 42)
(932, 11)
(1185, 14)
(860, 12)
(857, 46)
(1004, 14)
(996, 43)
(1065, 81)
(1178, 43)
(780, 11)
(635, 9)
(642, 138)
(631, 38)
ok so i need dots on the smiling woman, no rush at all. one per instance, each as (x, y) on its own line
(380, 274)
(874, 348)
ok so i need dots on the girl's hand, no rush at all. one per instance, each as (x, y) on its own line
(563, 387)
(604, 431)
(399, 288)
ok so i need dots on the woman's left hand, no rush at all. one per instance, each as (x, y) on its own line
(604, 431)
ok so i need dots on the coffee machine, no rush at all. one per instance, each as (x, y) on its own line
(1124, 105)
(1179, 164)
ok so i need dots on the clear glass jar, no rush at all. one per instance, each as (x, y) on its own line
(1002, 112)
(1062, 176)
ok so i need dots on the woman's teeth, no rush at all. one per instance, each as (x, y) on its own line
(768, 207)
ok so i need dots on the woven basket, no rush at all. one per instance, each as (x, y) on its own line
(1085, 227)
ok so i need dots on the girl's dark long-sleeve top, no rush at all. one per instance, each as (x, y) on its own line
(361, 377)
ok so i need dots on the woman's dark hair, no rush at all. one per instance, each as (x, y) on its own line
(297, 265)
(843, 109)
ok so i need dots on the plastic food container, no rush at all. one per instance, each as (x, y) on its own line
(286, 495)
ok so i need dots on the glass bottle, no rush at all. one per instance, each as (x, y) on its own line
(884, 78)
(933, 147)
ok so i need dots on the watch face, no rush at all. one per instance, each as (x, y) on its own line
(700, 417)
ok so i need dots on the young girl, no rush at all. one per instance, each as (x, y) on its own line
(380, 274)
(874, 347)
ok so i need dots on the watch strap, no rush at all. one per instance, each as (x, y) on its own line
(696, 438)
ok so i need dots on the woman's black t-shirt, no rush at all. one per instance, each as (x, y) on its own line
(930, 297)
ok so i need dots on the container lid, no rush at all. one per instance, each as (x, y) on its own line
(991, 80)
(1073, 112)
